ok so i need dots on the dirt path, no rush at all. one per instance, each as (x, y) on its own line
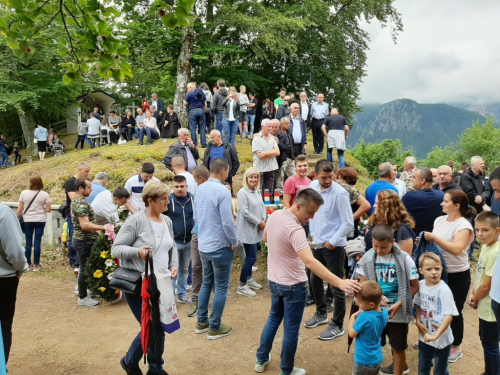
(54, 336)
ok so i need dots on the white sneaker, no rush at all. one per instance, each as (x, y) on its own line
(298, 371)
(254, 269)
(76, 289)
(189, 287)
(246, 291)
(253, 284)
(261, 367)
(87, 301)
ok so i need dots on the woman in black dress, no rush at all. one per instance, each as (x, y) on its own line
(171, 124)
(127, 126)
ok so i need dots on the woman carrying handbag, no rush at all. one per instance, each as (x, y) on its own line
(147, 230)
(33, 206)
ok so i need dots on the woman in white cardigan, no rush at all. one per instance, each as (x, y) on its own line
(150, 129)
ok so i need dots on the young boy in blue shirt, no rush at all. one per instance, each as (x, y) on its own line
(366, 326)
(435, 311)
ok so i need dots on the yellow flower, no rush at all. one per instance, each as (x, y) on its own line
(98, 274)
(104, 254)
(102, 289)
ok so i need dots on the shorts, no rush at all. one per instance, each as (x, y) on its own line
(243, 116)
(365, 370)
(398, 335)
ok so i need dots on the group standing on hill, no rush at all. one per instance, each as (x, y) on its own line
(309, 241)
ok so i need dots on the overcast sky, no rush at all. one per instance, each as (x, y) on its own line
(449, 52)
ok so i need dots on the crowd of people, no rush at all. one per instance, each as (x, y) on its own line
(416, 249)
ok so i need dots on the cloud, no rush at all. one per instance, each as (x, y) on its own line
(448, 53)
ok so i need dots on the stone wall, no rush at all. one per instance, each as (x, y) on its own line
(53, 227)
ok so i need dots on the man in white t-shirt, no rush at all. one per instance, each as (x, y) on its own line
(106, 205)
(179, 168)
(396, 182)
(288, 254)
(135, 185)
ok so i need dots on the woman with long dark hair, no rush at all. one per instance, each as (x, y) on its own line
(453, 233)
(390, 210)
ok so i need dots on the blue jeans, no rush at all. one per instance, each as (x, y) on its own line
(190, 273)
(251, 121)
(218, 123)
(184, 252)
(230, 129)
(470, 252)
(150, 133)
(340, 154)
(73, 256)
(489, 336)
(427, 353)
(197, 120)
(136, 131)
(250, 259)
(287, 303)
(29, 230)
(4, 160)
(89, 141)
(216, 271)
(134, 353)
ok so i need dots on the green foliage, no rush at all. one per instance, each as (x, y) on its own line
(90, 38)
(478, 140)
(99, 270)
(372, 154)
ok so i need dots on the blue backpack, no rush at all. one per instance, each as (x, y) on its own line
(425, 246)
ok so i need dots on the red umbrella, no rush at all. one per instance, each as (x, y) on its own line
(146, 311)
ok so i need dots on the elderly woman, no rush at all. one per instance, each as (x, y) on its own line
(127, 126)
(150, 129)
(147, 231)
(453, 233)
(390, 210)
(33, 204)
(171, 124)
(251, 222)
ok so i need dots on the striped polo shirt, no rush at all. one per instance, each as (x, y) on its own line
(260, 143)
(135, 185)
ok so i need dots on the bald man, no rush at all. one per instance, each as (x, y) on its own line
(445, 177)
(217, 148)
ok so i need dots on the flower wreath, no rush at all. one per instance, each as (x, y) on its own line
(101, 264)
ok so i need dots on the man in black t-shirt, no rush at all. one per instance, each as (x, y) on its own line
(70, 190)
(336, 135)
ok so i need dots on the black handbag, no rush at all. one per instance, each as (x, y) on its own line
(21, 218)
(63, 210)
(127, 280)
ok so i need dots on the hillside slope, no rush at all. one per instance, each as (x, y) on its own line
(420, 127)
(120, 162)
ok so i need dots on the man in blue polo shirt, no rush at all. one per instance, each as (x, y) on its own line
(135, 185)
(196, 103)
(383, 183)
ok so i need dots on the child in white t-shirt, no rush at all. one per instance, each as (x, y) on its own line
(435, 311)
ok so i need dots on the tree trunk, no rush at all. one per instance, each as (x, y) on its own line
(184, 73)
(28, 125)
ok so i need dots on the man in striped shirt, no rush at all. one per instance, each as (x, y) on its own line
(265, 150)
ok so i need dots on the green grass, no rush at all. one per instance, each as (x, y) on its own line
(120, 162)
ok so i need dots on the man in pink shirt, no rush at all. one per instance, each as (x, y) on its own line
(289, 253)
(299, 181)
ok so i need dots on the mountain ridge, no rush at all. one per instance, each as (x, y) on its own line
(420, 127)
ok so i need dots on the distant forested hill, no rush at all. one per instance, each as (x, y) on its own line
(420, 127)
